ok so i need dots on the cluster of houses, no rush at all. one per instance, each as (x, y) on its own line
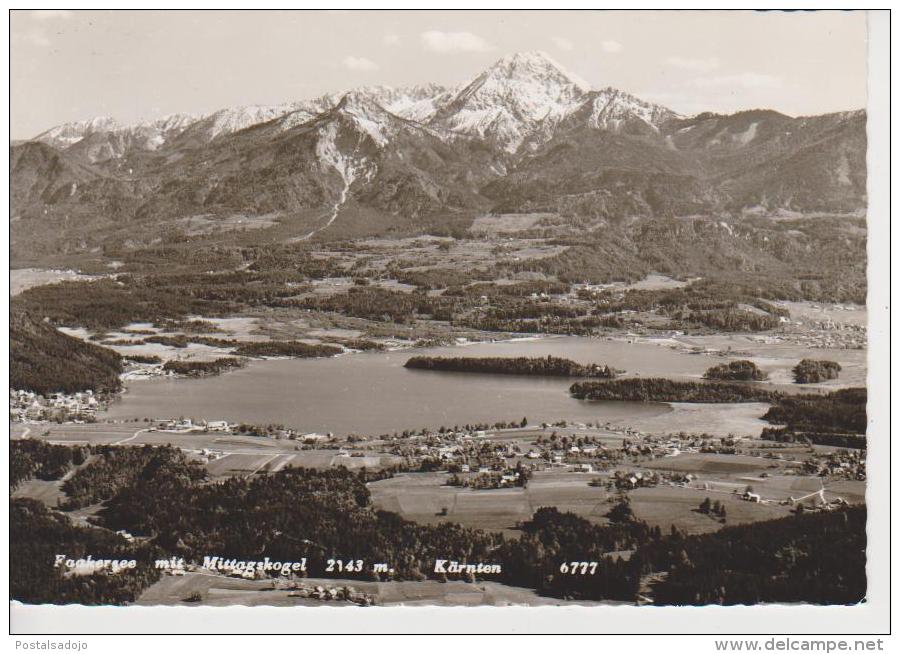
(486, 478)
(471, 451)
(295, 588)
(829, 334)
(631, 479)
(628, 480)
(208, 455)
(188, 425)
(846, 464)
(820, 503)
(327, 593)
(25, 406)
(145, 371)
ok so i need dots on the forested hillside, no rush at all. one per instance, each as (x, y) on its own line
(44, 360)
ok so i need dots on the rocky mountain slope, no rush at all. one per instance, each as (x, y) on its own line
(522, 136)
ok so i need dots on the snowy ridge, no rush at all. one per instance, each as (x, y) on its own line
(416, 103)
(70, 133)
(518, 101)
(103, 138)
(609, 108)
(234, 119)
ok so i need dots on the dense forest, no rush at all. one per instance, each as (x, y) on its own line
(816, 258)
(46, 361)
(550, 322)
(295, 513)
(811, 371)
(701, 295)
(843, 410)
(549, 366)
(106, 304)
(730, 320)
(736, 371)
(521, 289)
(375, 303)
(551, 541)
(29, 457)
(117, 468)
(167, 298)
(156, 494)
(296, 349)
(143, 358)
(784, 435)
(41, 534)
(818, 558)
(202, 368)
(657, 389)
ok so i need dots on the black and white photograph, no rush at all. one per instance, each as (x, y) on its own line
(400, 309)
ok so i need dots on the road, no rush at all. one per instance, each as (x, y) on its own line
(263, 464)
(132, 437)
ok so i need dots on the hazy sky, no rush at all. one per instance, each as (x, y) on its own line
(72, 65)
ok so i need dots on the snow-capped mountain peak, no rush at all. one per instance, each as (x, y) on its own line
(68, 134)
(536, 64)
(367, 115)
(509, 101)
(515, 104)
(611, 108)
(103, 138)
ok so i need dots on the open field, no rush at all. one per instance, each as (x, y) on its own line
(423, 496)
(655, 282)
(137, 433)
(776, 356)
(215, 441)
(206, 224)
(426, 252)
(781, 487)
(217, 590)
(505, 223)
(738, 419)
(100, 433)
(51, 494)
(21, 279)
(244, 455)
(233, 464)
(48, 493)
(851, 314)
(665, 506)
(712, 464)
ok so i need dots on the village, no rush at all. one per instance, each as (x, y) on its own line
(478, 457)
(27, 406)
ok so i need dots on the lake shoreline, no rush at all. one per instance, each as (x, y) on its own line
(372, 393)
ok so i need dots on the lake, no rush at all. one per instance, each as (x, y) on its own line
(373, 393)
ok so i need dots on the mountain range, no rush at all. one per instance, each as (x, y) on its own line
(523, 136)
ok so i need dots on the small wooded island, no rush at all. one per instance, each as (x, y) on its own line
(549, 366)
(657, 389)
